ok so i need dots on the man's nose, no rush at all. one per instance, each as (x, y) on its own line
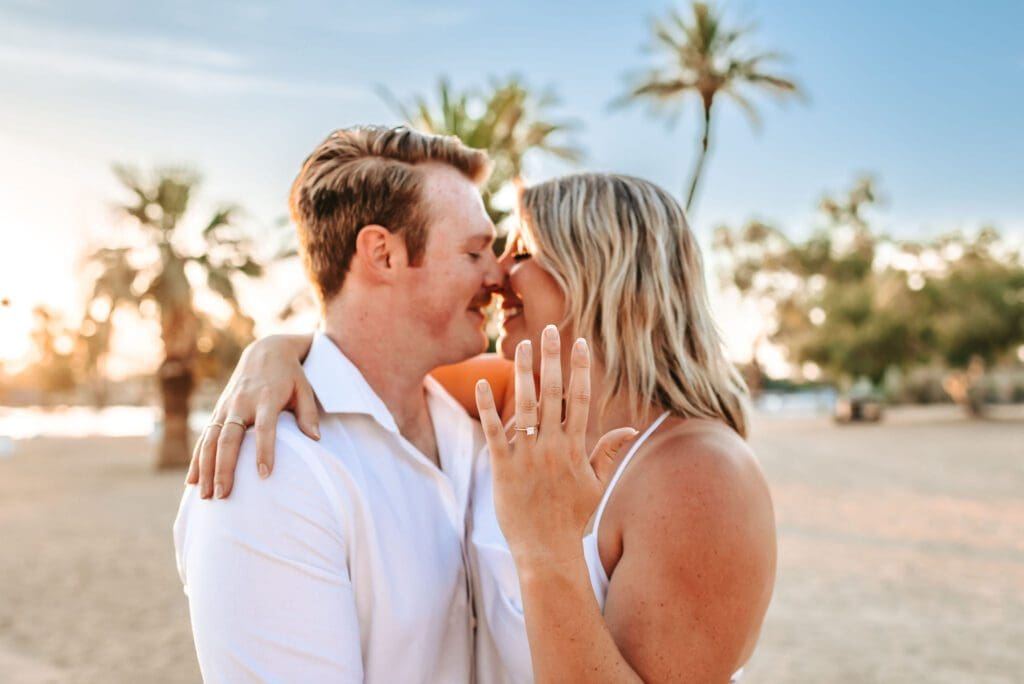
(494, 275)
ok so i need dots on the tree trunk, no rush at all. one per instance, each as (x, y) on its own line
(176, 384)
(701, 156)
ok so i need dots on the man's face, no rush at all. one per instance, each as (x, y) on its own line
(458, 272)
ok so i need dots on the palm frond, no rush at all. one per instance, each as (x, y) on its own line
(508, 120)
(221, 218)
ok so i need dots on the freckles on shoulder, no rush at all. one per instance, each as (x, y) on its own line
(698, 475)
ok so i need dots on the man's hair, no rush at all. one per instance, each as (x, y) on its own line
(364, 176)
(623, 254)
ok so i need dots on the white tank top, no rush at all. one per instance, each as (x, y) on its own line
(598, 576)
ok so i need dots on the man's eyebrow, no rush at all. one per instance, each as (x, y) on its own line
(480, 239)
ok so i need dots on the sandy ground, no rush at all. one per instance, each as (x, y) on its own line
(901, 556)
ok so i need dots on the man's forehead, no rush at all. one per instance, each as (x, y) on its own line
(484, 235)
(441, 177)
(451, 197)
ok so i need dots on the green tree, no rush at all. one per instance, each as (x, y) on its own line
(827, 303)
(507, 119)
(155, 266)
(706, 57)
(857, 303)
(974, 304)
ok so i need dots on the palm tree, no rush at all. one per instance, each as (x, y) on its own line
(508, 121)
(155, 268)
(705, 57)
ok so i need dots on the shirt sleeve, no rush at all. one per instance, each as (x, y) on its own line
(266, 573)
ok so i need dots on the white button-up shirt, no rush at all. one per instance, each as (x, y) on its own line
(502, 649)
(349, 563)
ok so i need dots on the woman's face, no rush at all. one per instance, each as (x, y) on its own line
(531, 300)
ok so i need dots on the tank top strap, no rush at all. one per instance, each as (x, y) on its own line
(622, 466)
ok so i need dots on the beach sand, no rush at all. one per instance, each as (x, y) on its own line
(901, 556)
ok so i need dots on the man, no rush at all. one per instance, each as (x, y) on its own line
(350, 566)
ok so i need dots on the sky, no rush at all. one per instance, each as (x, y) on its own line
(927, 97)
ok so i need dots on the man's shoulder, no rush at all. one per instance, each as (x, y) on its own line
(299, 484)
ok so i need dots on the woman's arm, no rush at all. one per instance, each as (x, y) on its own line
(694, 525)
(545, 490)
(267, 380)
(460, 380)
(689, 592)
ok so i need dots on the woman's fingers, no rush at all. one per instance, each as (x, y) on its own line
(306, 413)
(577, 408)
(225, 461)
(208, 458)
(192, 477)
(229, 443)
(550, 378)
(604, 457)
(266, 437)
(494, 431)
(526, 391)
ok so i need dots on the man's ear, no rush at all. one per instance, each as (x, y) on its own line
(379, 252)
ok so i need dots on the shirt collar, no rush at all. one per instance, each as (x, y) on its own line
(340, 387)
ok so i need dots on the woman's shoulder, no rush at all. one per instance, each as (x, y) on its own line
(693, 467)
(697, 444)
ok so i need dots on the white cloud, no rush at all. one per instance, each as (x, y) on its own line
(378, 18)
(182, 77)
(147, 61)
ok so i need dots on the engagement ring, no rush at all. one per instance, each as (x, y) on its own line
(531, 430)
(236, 420)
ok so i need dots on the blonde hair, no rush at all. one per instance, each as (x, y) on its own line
(362, 176)
(623, 254)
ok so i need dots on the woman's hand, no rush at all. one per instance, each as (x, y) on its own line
(267, 380)
(545, 487)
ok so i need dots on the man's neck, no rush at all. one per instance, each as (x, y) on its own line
(394, 372)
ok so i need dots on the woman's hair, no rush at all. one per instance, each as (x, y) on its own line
(623, 254)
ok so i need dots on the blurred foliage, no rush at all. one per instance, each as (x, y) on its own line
(155, 272)
(54, 370)
(705, 56)
(858, 303)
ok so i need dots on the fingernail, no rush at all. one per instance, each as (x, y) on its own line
(218, 492)
(581, 344)
(316, 431)
(264, 471)
(551, 331)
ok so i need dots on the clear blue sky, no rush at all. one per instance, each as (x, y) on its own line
(926, 96)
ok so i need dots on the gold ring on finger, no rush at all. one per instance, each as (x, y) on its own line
(237, 420)
(530, 430)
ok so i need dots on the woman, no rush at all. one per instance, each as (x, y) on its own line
(676, 569)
